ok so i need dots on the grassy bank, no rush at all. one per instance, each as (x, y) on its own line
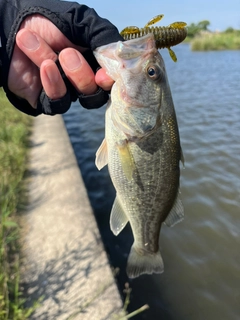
(207, 41)
(14, 131)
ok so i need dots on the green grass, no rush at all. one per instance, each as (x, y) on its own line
(14, 132)
(216, 41)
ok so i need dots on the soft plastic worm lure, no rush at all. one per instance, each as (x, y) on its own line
(165, 37)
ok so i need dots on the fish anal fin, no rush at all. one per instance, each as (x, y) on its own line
(118, 218)
(126, 159)
(143, 262)
(101, 155)
(176, 214)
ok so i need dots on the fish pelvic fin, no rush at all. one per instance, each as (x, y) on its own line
(118, 218)
(176, 214)
(101, 155)
(143, 262)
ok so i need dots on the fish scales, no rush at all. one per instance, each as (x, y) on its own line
(164, 36)
(141, 147)
(151, 195)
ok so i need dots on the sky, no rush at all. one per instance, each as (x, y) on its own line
(221, 14)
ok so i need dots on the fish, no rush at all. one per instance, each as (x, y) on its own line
(165, 37)
(141, 148)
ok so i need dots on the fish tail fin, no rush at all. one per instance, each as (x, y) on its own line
(140, 264)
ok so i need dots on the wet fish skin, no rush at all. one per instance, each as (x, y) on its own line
(142, 148)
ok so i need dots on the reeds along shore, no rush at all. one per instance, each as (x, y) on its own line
(206, 41)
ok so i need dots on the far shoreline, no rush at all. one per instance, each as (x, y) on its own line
(215, 41)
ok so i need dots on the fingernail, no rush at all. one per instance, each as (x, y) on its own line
(72, 61)
(52, 75)
(29, 40)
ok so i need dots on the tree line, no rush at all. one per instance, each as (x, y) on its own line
(196, 28)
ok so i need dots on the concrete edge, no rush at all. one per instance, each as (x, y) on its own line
(64, 259)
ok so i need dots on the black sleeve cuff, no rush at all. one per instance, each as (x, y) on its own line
(95, 100)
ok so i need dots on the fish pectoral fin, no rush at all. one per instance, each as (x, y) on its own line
(101, 155)
(126, 159)
(176, 215)
(118, 218)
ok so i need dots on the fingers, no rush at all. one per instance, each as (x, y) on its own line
(52, 80)
(23, 77)
(103, 80)
(78, 71)
(41, 55)
(34, 47)
(73, 64)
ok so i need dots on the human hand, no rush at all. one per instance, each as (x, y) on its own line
(33, 63)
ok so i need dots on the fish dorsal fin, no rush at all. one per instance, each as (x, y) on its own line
(101, 155)
(118, 219)
(126, 159)
(176, 215)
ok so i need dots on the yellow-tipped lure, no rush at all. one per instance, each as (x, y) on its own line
(165, 37)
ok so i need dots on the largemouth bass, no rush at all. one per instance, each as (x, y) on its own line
(141, 147)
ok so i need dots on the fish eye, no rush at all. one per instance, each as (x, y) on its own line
(153, 72)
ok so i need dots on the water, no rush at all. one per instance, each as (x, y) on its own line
(202, 253)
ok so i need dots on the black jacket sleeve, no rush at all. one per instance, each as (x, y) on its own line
(79, 23)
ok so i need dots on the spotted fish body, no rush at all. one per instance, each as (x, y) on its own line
(141, 147)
